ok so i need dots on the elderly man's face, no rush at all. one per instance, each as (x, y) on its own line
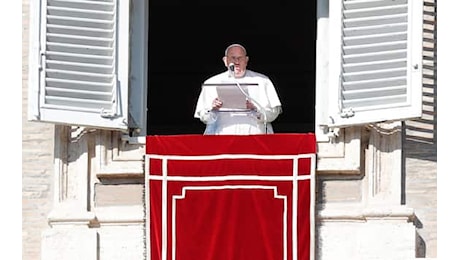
(237, 56)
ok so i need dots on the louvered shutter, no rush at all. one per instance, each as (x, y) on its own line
(380, 70)
(82, 70)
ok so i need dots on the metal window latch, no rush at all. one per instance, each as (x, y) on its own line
(136, 140)
(41, 61)
(331, 132)
(347, 113)
(107, 114)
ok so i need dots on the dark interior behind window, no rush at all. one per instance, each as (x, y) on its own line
(187, 40)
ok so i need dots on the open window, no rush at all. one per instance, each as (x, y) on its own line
(140, 64)
(187, 40)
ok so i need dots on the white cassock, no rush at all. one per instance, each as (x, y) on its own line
(258, 121)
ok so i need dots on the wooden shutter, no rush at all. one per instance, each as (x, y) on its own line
(82, 63)
(380, 73)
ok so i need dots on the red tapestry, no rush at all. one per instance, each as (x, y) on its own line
(230, 197)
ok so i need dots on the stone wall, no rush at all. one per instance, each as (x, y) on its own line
(420, 146)
(37, 164)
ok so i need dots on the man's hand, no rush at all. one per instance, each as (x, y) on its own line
(217, 104)
(250, 105)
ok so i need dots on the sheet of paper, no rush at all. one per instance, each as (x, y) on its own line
(232, 97)
(231, 94)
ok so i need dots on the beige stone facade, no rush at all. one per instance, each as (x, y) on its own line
(38, 173)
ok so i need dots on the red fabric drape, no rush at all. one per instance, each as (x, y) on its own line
(230, 207)
(242, 144)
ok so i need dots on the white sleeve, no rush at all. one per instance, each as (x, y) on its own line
(203, 109)
(271, 113)
(207, 116)
(273, 108)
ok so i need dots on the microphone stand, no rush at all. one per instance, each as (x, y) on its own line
(232, 72)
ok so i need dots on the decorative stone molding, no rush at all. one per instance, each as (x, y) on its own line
(360, 213)
(120, 215)
(72, 157)
(342, 155)
(75, 223)
(384, 164)
(117, 157)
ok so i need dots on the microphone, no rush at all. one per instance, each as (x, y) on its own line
(231, 66)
